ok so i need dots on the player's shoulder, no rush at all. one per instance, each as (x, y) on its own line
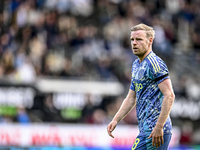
(135, 63)
(152, 57)
(154, 62)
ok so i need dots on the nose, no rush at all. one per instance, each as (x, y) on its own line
(134, 42)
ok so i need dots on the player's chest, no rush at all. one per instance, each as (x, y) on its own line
(139, 73)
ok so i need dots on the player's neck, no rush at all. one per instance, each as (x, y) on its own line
(143, 57)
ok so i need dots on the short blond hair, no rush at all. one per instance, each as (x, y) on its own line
(149, 30)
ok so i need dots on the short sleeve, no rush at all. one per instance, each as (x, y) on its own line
(132, 86)
(158, 70)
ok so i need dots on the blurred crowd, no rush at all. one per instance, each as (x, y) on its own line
(90, 39)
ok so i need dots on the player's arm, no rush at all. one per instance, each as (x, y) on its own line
(125, 108)
(166, 88)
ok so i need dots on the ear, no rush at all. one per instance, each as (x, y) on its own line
(150, 40)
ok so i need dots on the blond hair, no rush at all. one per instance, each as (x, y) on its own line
(149, 30)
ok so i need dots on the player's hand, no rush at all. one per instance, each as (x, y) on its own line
(111, 127)
(157, 136)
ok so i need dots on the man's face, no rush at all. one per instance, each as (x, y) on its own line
(139, 42)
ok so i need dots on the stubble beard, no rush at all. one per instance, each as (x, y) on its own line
(141, 54)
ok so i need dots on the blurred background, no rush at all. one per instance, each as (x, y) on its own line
(65, 68)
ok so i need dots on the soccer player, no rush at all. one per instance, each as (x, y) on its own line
(151, 91)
